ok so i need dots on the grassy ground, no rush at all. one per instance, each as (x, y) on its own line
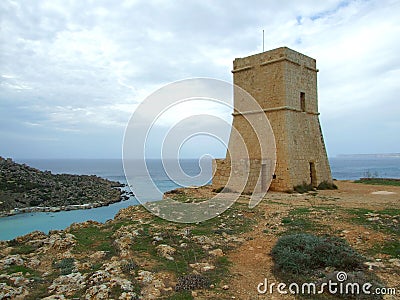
(379, 181)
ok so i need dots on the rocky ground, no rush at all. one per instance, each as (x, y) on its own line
(22, 187)
(140, 256)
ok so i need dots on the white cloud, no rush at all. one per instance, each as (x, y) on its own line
(82, 66)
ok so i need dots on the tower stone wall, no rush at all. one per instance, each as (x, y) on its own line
(284, 83)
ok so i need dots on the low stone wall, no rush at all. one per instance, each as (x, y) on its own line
(234, 174)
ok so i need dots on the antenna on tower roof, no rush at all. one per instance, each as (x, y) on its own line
(263, 40)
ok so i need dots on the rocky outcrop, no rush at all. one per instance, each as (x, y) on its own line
(67, 285)
(166, 251)
(25, 189)
(124, 238)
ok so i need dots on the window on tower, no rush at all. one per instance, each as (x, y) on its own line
(303, 101)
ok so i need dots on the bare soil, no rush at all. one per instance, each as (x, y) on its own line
(252, 261)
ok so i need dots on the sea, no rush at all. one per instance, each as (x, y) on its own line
(343, 168)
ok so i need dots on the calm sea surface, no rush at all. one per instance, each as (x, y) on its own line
(11, 227)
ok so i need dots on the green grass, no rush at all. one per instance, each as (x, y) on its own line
(182, 295)
(298, 221)
(236, 220)
(23, 249)
(385, 223)
(391, 248)
(182, 257)
(94, 238)
(15, 269)
(181, 196)
(300, 211)
(390, 211)
(379, 181)
(115, 226)
(221, 270)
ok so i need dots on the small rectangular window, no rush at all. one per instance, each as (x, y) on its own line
(303, 101)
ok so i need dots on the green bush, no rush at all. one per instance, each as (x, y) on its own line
(305, 253)
(325, 185)
(222, 189)
(129, 266)
(303, 188)
(66, 265)
(192, 282)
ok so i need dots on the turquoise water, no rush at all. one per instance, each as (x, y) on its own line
(17, 225)
(11, 227)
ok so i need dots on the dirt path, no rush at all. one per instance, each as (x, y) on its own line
(252, 261)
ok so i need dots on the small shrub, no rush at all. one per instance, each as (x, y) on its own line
(303, 188)
(192, 282)
(247, 193)
(66, 266)
(129, 266)
(13, 243)
(176, 191)
(305, 253)
(218, 190)
(325, 185)
(223, 189)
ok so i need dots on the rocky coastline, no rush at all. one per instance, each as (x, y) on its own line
(54, 209)
(24, 189)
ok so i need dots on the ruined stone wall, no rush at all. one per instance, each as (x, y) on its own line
(235, 172)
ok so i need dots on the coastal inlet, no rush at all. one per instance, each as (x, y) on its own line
(25, 189)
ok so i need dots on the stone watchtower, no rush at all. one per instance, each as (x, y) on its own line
(284, 83)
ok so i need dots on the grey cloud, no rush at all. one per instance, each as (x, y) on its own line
(79, 65)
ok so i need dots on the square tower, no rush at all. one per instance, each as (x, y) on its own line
(284, 83)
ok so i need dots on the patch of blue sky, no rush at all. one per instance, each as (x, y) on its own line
(326, 13)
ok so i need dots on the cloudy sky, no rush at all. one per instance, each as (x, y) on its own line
(72, 72)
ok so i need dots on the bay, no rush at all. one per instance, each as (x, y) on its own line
(343, 168)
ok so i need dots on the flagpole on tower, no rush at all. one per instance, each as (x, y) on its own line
(263, 41)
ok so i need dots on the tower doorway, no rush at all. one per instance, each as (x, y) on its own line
(313, 174)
